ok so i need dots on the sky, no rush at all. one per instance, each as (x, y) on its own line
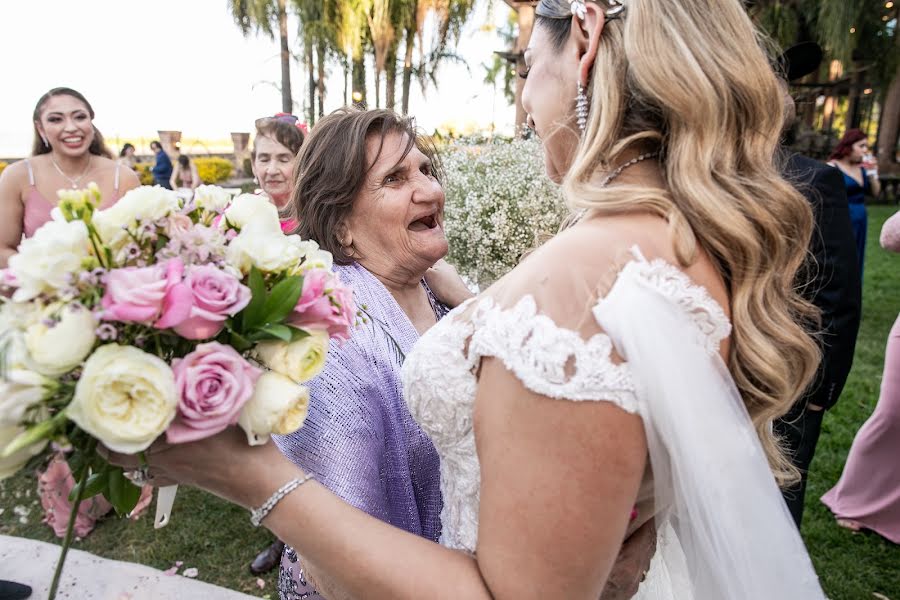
(184, 65)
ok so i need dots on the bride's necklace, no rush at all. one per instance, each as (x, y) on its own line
(74, 182)
(605, 181)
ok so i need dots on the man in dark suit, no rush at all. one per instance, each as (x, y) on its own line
(834, 287)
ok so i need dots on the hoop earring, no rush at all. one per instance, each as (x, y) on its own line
(581, 108)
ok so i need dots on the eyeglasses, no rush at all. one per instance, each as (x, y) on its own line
(279, 117)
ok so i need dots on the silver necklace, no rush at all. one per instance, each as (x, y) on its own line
(605, 181)
(75, 182)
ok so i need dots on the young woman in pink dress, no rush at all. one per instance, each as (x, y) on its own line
(68, 153)
(868, 493)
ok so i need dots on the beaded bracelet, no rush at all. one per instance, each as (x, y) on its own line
(258, 514)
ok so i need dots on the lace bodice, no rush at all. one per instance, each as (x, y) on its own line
(440, 381)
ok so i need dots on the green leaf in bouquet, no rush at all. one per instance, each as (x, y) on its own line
(282, 299)
(253, 314)
(281, 332)
(34, 434)
(96, 484)
(239, 342)
(123, 494)
(297, 333)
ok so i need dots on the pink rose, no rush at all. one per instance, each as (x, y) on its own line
(215, 296)
(54, 486)
(214, 382)
(147, 294)
(326, 303)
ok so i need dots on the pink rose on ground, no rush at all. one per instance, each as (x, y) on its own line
(54, 486)
(216, 295)
(143, 503)
(213, 382)
(147, 294)
(326, 303)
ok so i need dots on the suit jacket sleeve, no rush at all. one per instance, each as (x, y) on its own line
(836, 286)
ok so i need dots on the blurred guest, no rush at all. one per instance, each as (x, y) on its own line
(185, 177)
(860, 169)
(868, 493)
(126, 156)
(162, 169)
(68, 153)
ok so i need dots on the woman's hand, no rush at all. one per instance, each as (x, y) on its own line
(223, 464)
(446, 284)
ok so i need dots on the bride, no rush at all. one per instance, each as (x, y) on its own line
(637, 359)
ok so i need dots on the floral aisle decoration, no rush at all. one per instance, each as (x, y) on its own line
(157, 317)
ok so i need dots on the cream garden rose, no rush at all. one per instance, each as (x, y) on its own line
(278, 406)
(253, 210)
(58, 347)
(301, 360)
(125, 398)
(212, 198)
(45, 262)
(266, 250)
(21, 389)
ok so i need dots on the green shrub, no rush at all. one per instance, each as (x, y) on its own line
(213, 169)
(144, 174)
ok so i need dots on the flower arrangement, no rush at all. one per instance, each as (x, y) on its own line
(158, 317)
(499, 206)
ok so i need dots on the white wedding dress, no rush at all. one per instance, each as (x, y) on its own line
(724, 531)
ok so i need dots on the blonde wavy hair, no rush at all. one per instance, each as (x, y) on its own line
(692, 78)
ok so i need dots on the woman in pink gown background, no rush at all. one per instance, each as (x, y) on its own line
(868, 493)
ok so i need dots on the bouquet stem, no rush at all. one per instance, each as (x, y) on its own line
(70, 528)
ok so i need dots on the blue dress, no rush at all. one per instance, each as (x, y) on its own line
(859, 216)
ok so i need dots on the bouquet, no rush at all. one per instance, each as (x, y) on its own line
(158, 316)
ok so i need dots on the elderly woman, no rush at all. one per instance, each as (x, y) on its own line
(367, 188)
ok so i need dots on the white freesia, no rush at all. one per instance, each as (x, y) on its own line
(255, 210)
(11, 464)
(125, 398)
(62, 346)
(278, 406)
(301, 360)
(20, 389)
(45, 262)
(268, 251)
(211, 197)
(142, 203)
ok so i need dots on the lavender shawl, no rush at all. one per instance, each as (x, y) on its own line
(359, 438)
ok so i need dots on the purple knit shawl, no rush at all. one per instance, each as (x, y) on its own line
(359, 438)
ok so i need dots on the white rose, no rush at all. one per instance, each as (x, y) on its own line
(253, 210)
(278, 405)
(11, 464)
(20, 389)
(125, 398)
(145, 202)
(267, 251)
(62, 347)
(301, 360)
(46, 261)
(312, 256)
(211, 198)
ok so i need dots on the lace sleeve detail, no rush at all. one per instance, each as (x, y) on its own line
(549, 359)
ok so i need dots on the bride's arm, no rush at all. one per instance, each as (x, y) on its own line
(559, 479)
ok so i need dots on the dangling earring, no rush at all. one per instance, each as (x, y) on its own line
(46, 143)
(581, 108)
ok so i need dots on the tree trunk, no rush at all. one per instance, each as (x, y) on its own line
(345, 64)
(320, 84)
(390, 78)
(407, 68)
(890, 127)
(359, 81)
(377, 88)
(854, 112)
(287, 101)
(311, 82)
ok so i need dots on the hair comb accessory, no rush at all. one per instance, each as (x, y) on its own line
(616, 9)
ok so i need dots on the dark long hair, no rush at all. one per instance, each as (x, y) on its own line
(97, 147)
(845, 146)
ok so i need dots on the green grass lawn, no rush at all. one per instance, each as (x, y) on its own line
(218, 539)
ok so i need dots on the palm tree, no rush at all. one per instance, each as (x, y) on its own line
(264, 16)
(383, 35)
